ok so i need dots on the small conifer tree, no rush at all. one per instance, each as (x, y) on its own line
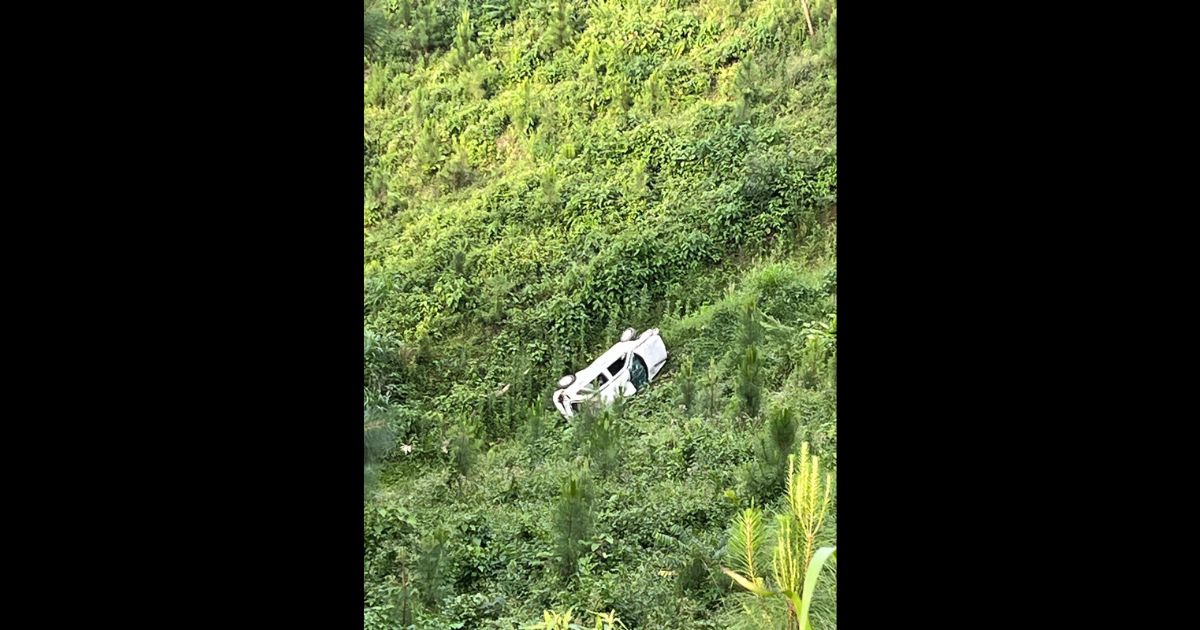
(573, 521)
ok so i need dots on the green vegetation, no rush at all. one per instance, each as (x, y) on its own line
(565, 621)
(537, 177)
(807, 506)
(573, 522)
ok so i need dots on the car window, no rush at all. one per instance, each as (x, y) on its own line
(616, 366)
(601, 381)
(638, 373)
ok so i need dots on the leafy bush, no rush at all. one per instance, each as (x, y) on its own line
(431, 569)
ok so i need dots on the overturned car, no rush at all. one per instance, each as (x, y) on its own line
(626, 368)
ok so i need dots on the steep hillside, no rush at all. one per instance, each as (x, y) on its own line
(538, 177)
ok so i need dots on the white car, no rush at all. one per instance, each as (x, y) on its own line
(626, 368)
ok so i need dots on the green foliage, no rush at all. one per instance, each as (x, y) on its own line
(750, 365)
(637, 187)
(375, 30)
(475, 610)
(428, 152)
(811, 578)
(464, 44)
(402, 614)
(573, 521)
(377, 441)
(562, 24)
(536, 177)
(550, 188)
(463, 449)
(687, 388)
(819, 351)
(766, 474)
(585, 418)
(781, 432)
(809, 498)
(750, 381)
(567, 621)
(457, 173)
(712, 383)
(604, 442)
(431, 568)
(535, 423)
(796, 563)
(699, 577)
(745, 546)
(752, 327)
(747, 88)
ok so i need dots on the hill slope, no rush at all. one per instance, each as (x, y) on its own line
(537, 178)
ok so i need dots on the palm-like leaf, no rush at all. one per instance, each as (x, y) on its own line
(756, 586)
(810, 581)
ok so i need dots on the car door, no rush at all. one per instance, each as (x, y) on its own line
(654, 353)
(639, 373)
(619, 370)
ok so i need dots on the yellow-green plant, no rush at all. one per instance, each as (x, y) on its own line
(796, 563)
(563, 621)
(607, 621)
(553, 621)
(808, 498)
(745, 541)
